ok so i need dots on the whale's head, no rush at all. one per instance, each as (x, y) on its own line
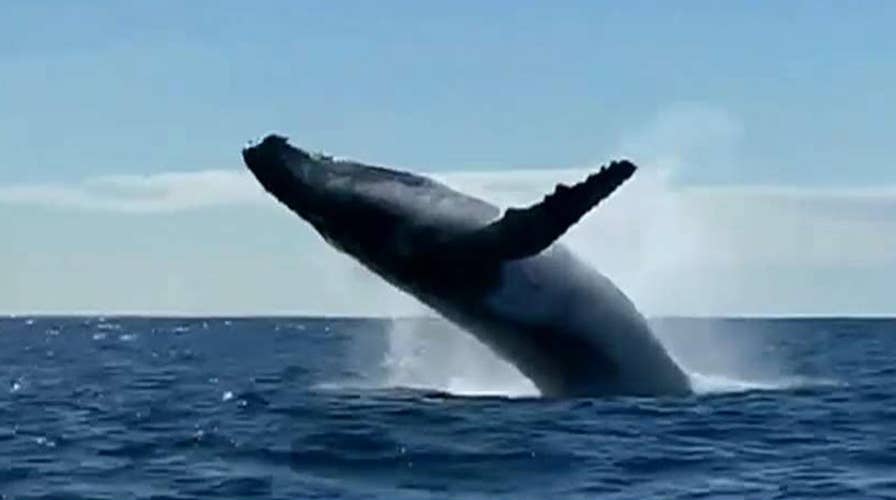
(293, 176)
(355, 207)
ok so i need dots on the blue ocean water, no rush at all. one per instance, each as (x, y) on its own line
(115, 408)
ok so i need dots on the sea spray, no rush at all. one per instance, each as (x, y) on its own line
(431, 353)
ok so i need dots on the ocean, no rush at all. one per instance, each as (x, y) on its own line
(285, 408)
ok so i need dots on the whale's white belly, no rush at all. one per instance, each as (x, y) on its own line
(556, 292)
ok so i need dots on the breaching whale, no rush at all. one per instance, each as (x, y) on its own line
(503, 278)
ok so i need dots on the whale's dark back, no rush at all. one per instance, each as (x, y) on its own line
(380, 216)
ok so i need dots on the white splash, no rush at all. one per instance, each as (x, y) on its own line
(650, 217)
(720, 384)
(432, 354)
(435, 355)
(674, 250)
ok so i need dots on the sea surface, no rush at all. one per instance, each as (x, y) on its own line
(285, 408)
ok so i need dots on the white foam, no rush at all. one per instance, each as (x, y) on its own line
(721, 384)
(440, 356)
(446, 359)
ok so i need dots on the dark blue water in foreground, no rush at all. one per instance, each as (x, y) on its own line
(295, 408)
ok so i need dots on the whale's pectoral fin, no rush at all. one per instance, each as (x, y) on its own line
(524, 232)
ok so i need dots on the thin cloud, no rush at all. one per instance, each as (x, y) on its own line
(163, 192)
(674, 249)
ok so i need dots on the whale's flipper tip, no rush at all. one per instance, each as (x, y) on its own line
(524, 232)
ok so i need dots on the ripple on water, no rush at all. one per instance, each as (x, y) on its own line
(239, 411)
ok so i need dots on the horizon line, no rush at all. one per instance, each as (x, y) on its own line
(296, 315)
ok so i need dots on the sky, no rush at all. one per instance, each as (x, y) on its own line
(763, 129)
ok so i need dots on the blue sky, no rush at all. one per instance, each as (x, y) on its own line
(100, 102)
(107, 87)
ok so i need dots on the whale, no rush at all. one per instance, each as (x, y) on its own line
(501, 276)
